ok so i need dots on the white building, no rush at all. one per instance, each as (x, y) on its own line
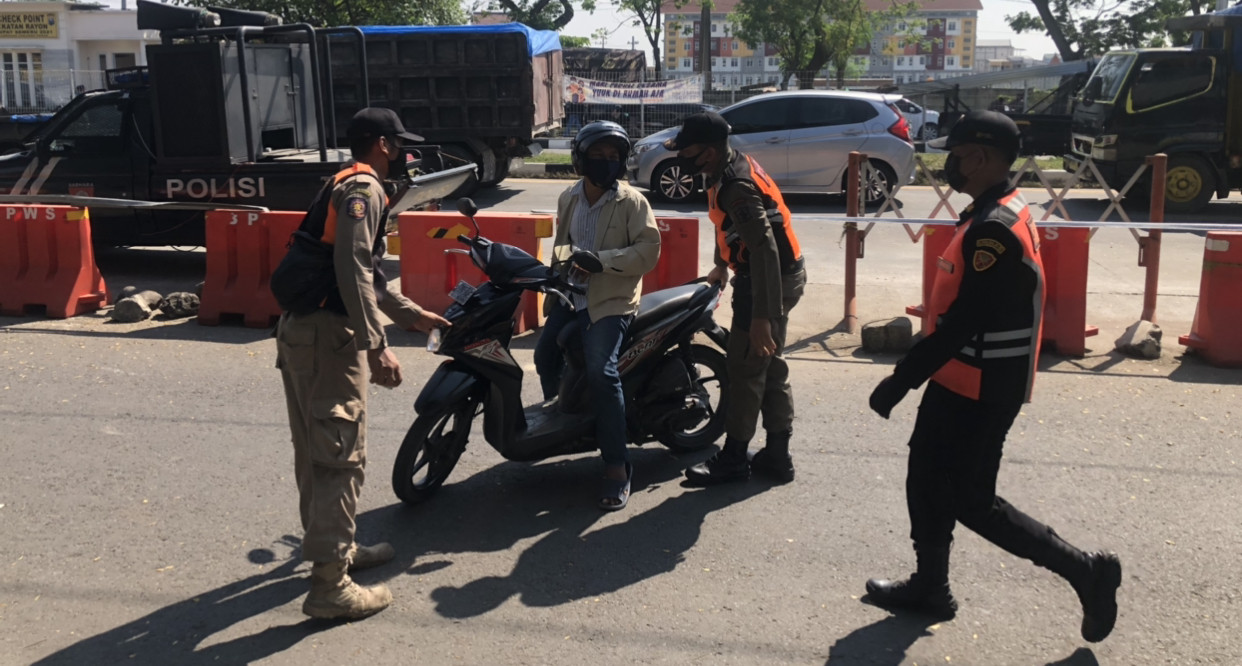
(49, 50)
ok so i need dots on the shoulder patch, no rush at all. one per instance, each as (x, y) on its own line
(991, 243)
(983, 260)
(356, 207)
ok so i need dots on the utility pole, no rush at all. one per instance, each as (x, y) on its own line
(705, 44)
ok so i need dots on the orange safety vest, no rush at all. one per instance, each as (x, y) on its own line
(329, 213)
(321, 221)
(728, 240)
(1000, 356)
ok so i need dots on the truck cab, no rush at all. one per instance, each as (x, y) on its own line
(1183, 102)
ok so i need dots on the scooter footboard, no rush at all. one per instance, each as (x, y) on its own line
(448, 385)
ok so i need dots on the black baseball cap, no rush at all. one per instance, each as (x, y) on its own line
(376, 121)
(703, 127)
(982, 128)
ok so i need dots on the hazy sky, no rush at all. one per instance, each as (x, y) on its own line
(991, 26)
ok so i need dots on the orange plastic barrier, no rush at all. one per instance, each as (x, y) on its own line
(936, 239)
(428, 274)
(46, 260)
(243, 248)
(1065, 253)
(679, 254)
(1217, 330)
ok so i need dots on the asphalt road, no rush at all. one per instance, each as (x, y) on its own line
(149, 510)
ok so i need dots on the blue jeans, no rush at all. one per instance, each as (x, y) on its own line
(601, 345)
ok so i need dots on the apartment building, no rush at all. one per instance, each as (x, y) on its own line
(938, 42)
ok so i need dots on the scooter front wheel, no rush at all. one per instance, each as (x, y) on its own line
(431, 450)
(711, 372)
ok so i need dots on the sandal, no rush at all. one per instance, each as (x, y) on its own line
(616, 494)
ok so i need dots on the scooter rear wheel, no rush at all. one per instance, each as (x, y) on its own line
(431, 450)
(713, 375)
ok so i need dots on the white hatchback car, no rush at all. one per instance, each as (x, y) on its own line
(924, 122)
(801, 138)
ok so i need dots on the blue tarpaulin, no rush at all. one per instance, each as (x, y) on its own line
(537, 41)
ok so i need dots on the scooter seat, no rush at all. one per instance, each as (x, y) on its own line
(657, 305)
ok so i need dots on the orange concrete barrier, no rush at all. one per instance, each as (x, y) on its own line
(428, 274)
(1217, 330)
(679, 254)
(46, 260)
(1065, 253)
(243, 248)
(936, 238)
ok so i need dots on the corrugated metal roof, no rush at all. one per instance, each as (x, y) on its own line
(994, 78)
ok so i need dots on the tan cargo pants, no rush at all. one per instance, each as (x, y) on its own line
(325, 379)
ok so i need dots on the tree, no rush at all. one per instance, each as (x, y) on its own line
(568, 42)
(1084, 28)
(809, 34)
(600, 35)
(647, 16)
(350, 12)
(541, 14)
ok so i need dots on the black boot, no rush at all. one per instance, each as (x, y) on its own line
(1094, 576)
(1098, 594)
(926, 591)
(774, 461)
(727, 466)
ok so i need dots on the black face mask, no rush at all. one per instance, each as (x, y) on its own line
(953, 172)
(603, 173)
(396, 166)
(689, 165)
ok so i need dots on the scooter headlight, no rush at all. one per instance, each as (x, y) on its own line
(434, 339)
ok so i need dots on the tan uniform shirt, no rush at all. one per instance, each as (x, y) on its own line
(360, 204)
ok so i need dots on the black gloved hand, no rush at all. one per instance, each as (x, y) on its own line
(588, 261)
(886, 396)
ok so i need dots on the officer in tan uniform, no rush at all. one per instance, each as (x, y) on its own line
(754, 238)
(325, 355)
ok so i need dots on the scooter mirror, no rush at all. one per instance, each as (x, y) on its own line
(466, 207)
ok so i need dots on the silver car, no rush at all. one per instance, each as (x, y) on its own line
(801, 138)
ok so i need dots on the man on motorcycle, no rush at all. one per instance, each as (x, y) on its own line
(606, 228)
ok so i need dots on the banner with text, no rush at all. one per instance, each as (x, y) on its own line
(675, 91)
(23, 25)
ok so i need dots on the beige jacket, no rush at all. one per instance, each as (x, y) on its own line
(627, 242)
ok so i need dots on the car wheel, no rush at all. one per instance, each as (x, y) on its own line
(883, 181)
(1189, 184)
(671, 183)
(930, 131)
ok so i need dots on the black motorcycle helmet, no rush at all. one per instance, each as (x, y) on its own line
(600, 130)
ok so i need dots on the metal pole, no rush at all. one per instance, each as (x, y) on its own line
(1149, 247)
(852, 242)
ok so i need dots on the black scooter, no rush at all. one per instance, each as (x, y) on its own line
(675, 388)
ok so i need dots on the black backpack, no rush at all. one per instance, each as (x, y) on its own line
(305, 280)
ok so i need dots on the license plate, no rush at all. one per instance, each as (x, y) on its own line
(462, 292)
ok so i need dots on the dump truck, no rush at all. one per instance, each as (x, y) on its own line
(1185, 102)
(480, 92)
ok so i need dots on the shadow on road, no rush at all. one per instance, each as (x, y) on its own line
(496, 509)
(883, 643)
(489, 512)
(1080, 657)
(171, 634)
